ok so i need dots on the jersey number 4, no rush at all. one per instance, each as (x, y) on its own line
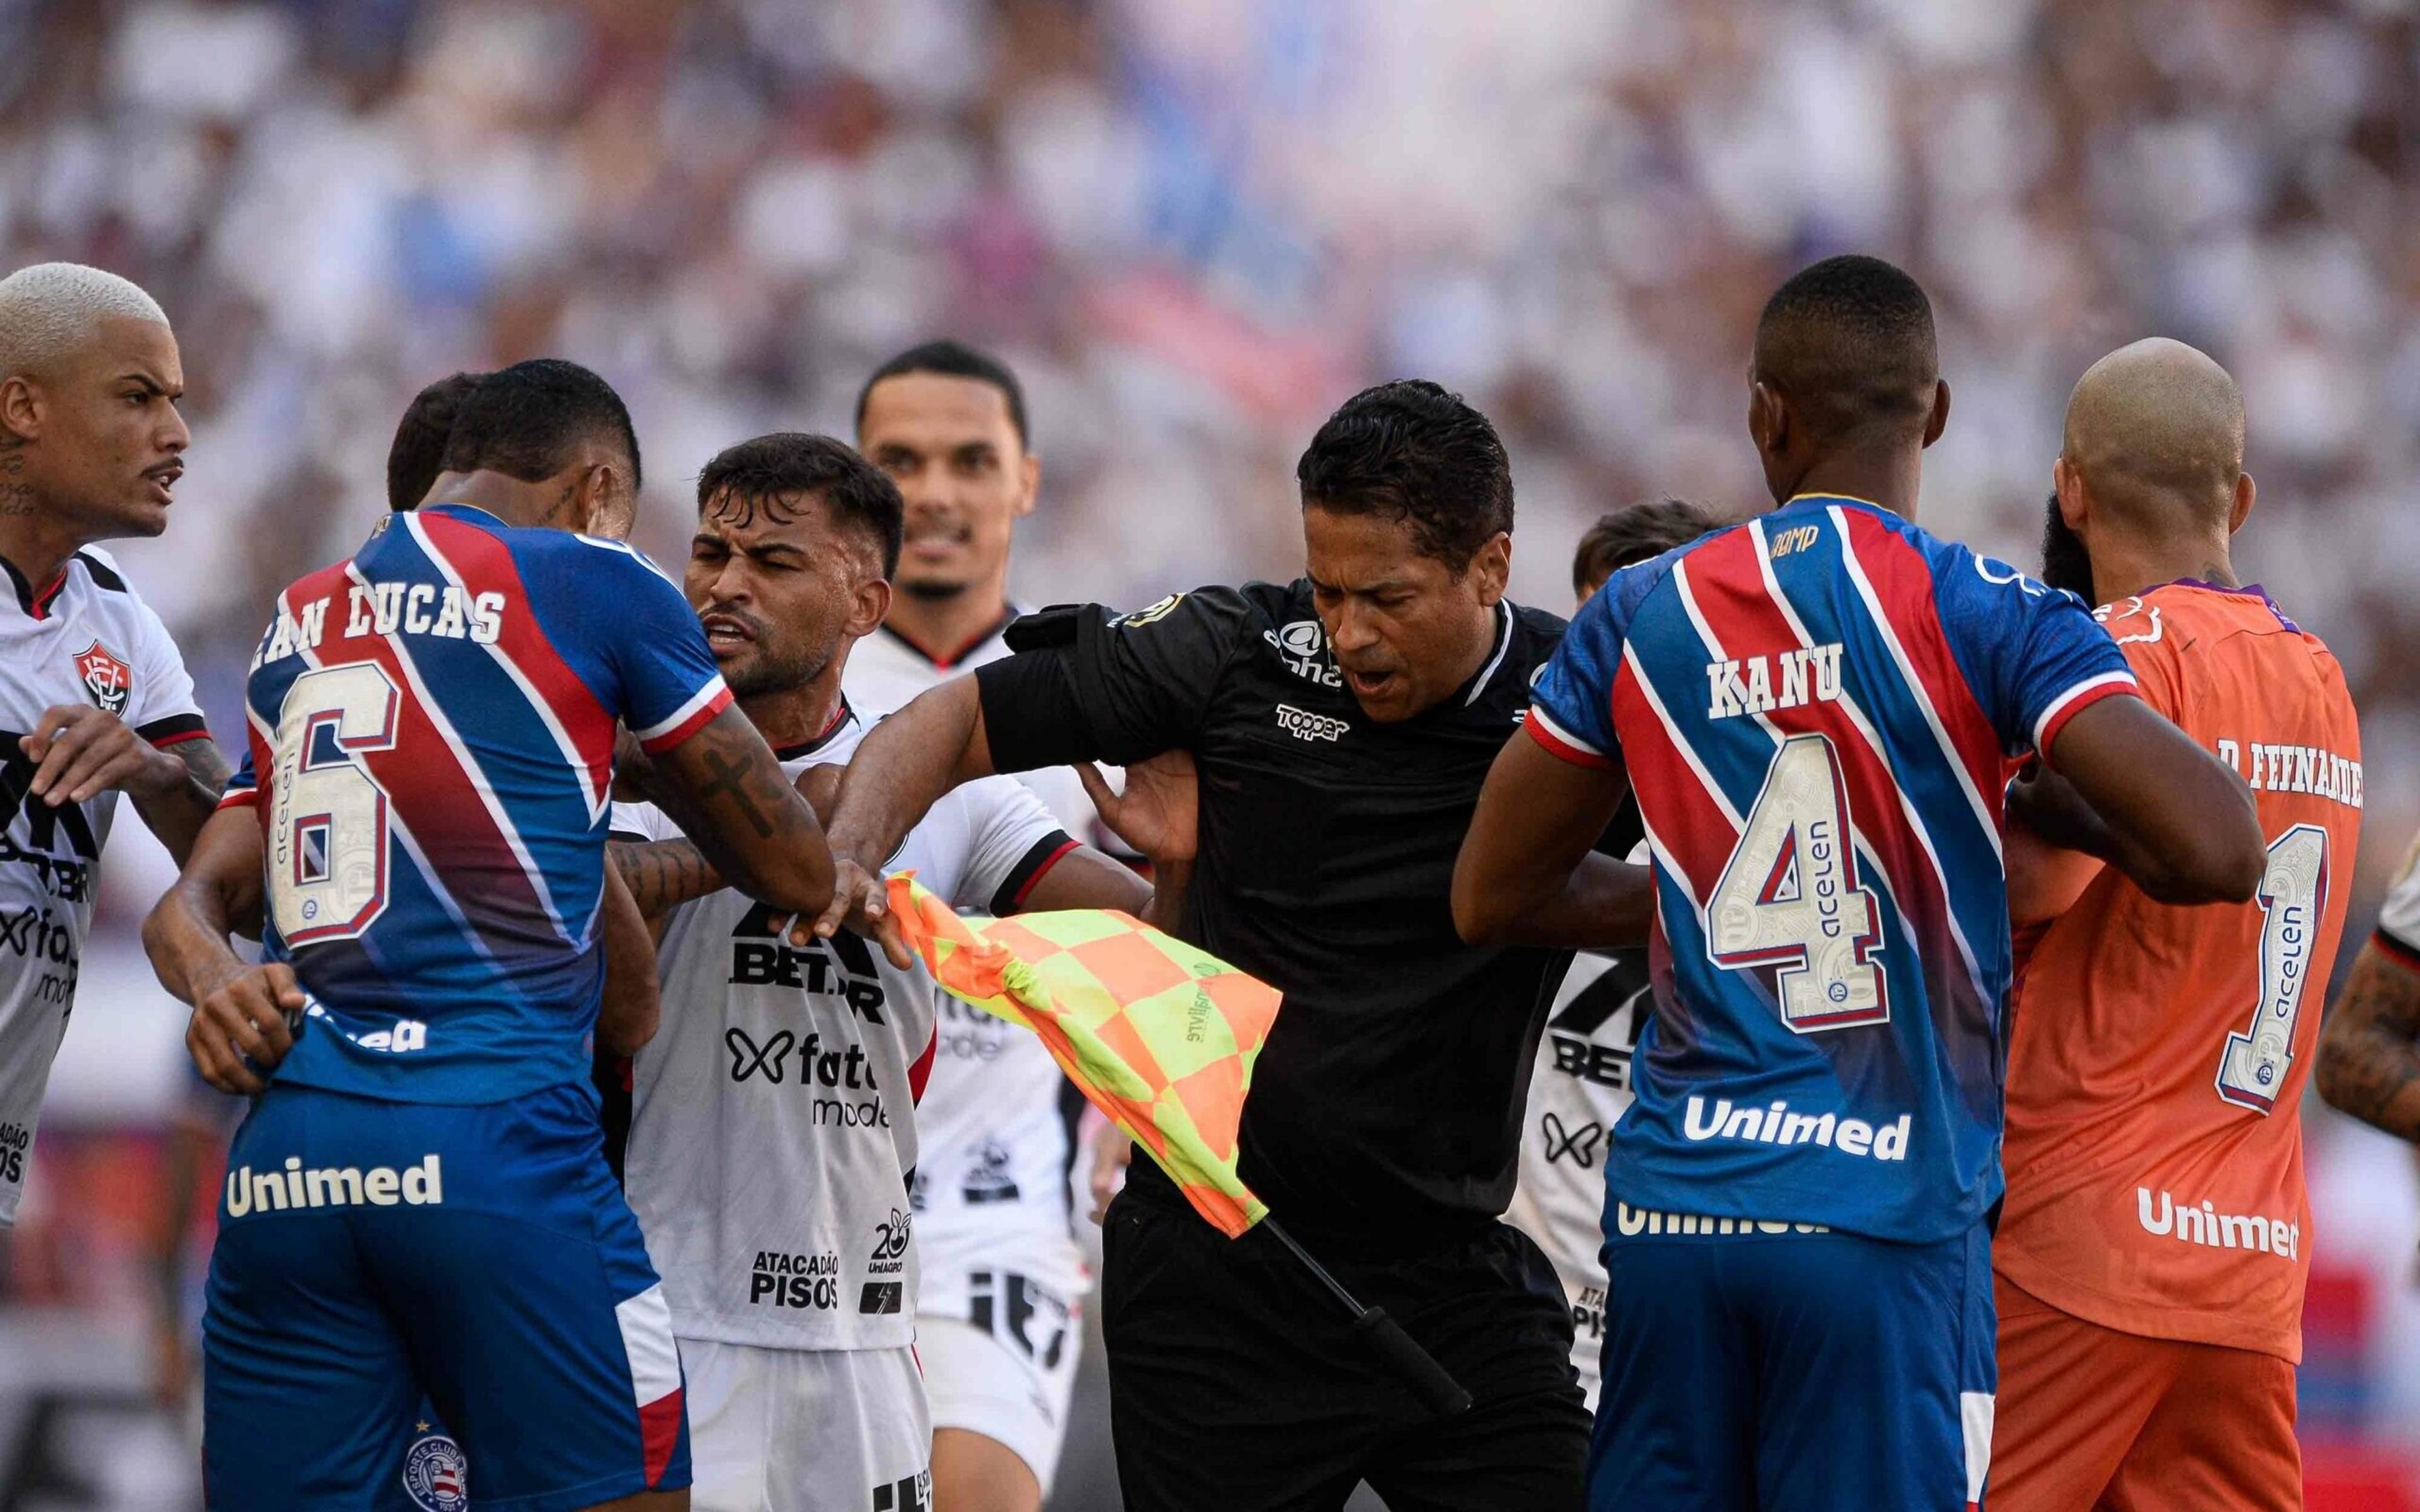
(2293, 899)
(1789, 897)
(328, 836)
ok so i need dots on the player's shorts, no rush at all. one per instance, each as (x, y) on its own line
(370, 1251)
(1819, 1372)
(2091, 1416)
(1587, 1338)
(806, 1430)
(1007, 1371)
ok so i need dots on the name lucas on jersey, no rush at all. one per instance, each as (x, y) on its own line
(440, 610)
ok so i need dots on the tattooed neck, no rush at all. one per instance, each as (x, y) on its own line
(16, 494)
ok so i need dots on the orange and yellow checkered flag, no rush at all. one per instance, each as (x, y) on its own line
(1159, 1036)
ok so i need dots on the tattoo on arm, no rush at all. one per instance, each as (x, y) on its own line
(663, 874)
(735, 781)
(206, 768)
(727, 793)
(2369, 1051)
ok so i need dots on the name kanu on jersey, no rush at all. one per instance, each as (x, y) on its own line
(443, 611)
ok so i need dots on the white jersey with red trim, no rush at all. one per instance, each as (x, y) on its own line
(1578, 1092)
(84, 639)
(773, 1125)
(998, 1118)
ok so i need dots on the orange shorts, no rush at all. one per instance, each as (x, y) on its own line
(2090, 1418)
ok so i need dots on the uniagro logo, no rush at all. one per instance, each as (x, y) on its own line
(437, 1475)
(886, 1287)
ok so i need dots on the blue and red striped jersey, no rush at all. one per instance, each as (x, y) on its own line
(431, 755)
(1817, 709)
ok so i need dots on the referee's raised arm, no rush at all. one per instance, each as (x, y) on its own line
(906, 761)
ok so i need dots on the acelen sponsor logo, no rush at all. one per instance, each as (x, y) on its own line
(334, 1186)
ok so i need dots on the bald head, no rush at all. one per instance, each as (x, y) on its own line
(51, 312)
(2156, 432)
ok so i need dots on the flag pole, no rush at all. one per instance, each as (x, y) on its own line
(1429, 1381)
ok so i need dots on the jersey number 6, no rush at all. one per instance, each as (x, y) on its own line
(1788, 896)
(328, 836)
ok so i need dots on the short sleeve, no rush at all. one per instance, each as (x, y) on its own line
(1571, 708)
(640, 822)
(243, 789)
(2398, 917)
(1089, 683)
(1012, 840)
(670, 687)
(2033, 654)
(2141, 638)
(161, 708)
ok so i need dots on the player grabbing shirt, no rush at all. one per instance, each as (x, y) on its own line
(1814, 708)
(415, 1203)
(2152, 1250)
(774, 1132)
(1340, 726)
(1582, 1082)
(946, 422)
(94, 699)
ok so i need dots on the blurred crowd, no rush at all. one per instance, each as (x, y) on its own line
(1195, 225)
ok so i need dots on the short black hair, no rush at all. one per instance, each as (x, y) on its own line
(527, 420)
(1411, 450)
(1629, 536)
(1850, 341)
(418, 455)
(763, 473)
(952, 359)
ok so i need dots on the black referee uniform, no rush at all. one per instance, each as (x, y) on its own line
(1385, 1112)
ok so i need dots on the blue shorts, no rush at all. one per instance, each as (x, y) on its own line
(1820, 1372)
(371, 1253)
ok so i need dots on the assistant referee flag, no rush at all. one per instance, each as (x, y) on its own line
(1158, 1034)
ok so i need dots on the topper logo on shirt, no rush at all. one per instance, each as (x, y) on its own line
(105, 677)
(1761, 683)
(1304, 725)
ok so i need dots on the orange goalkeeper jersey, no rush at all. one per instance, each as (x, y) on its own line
(2154, 1149)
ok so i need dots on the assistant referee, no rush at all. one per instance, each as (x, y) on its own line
(1342, 726)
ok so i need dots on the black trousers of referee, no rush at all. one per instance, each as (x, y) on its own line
(1237, 1384)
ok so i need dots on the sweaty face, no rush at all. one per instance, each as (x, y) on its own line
(1407, 630)
(775, 584)
(111, 443)
(950, 446)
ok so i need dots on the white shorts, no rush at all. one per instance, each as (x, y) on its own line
(1011, 1383)
(806, 1430)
